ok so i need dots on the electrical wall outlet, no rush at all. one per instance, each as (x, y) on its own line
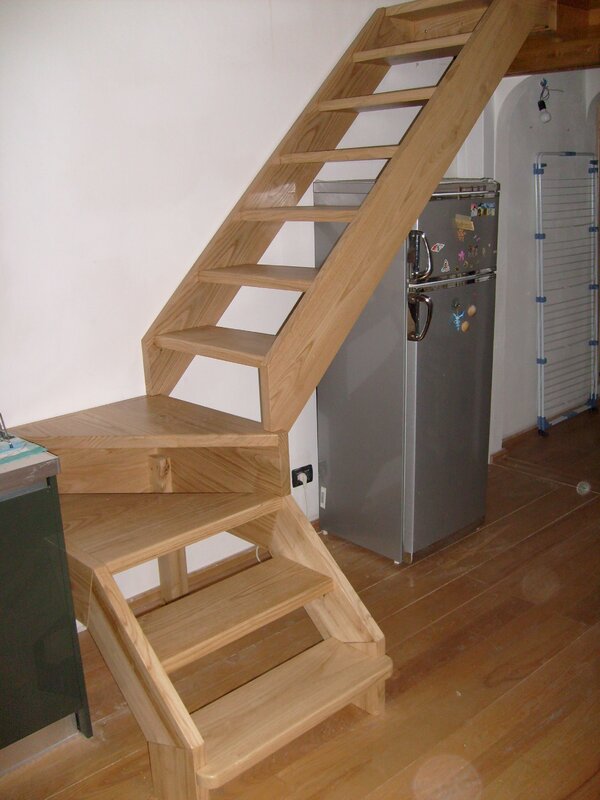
(323, 497)
(307, 470)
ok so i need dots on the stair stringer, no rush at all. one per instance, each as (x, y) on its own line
(341, 613)
(175, 745)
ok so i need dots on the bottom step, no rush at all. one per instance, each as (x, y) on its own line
(257, 719)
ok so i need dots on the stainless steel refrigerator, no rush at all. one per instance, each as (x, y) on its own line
(403, 411)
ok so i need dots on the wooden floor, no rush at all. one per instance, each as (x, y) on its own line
(496, 645)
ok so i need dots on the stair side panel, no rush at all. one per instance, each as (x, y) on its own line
(148, 690)
(231, 469)
(341, 613)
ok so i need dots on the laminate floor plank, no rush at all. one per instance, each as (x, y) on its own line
(569, 453)
(128, 779)
(493, 754)
(489, 545)
(556, 533)
(115, 737)
(402, 624)
(587, 610)
(561, 577)
(589, 789)
(571, 473)
(104, 697)
(362, 567)
(505, 495)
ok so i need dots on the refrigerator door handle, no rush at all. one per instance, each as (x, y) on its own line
(415, 300)
(417, 237)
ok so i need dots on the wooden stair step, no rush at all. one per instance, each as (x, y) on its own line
(122, 530)
(266, 276)
(257, 719)
(414, 51)
(228, 344)
(153, 421)
(343, 154)
(419, 7)
(299, 214)
(400, 98)
(200, 623)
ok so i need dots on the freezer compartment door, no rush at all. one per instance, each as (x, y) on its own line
(460, 234)
(449, 375)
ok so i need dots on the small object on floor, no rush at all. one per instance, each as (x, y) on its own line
(583, 488)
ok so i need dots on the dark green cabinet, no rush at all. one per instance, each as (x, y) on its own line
(41, 677)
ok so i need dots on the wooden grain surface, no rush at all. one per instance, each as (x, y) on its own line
(415, 51)
(419, 6)
(342, 154)
(158, 708)
(566, 455)
(299, 213)
(258, 718)
(381, 100)
(263, 276)
(122, 530)
(506, 682)
(205, 621)
(227, 344)
(340, 613)
(156, 421)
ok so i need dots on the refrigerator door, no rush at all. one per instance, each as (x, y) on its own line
(447, 407)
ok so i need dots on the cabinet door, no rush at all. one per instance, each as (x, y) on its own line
(40, 677)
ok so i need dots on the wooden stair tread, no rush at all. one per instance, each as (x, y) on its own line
(411, 51)
(200, 623)
(257, 719)
(122, 530)
(148, 421)
(342, 154)
(262, 275)
(228, 344)
(299, 214)
(419, 7)
(380, 100)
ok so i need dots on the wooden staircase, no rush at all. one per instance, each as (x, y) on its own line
(144, 478)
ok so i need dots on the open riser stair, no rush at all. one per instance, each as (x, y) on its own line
(485, 37)
(146, 478)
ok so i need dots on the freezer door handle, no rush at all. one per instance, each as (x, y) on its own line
(417, 243)
(414, 302)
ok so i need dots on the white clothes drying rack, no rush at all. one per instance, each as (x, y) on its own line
(567, 285)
